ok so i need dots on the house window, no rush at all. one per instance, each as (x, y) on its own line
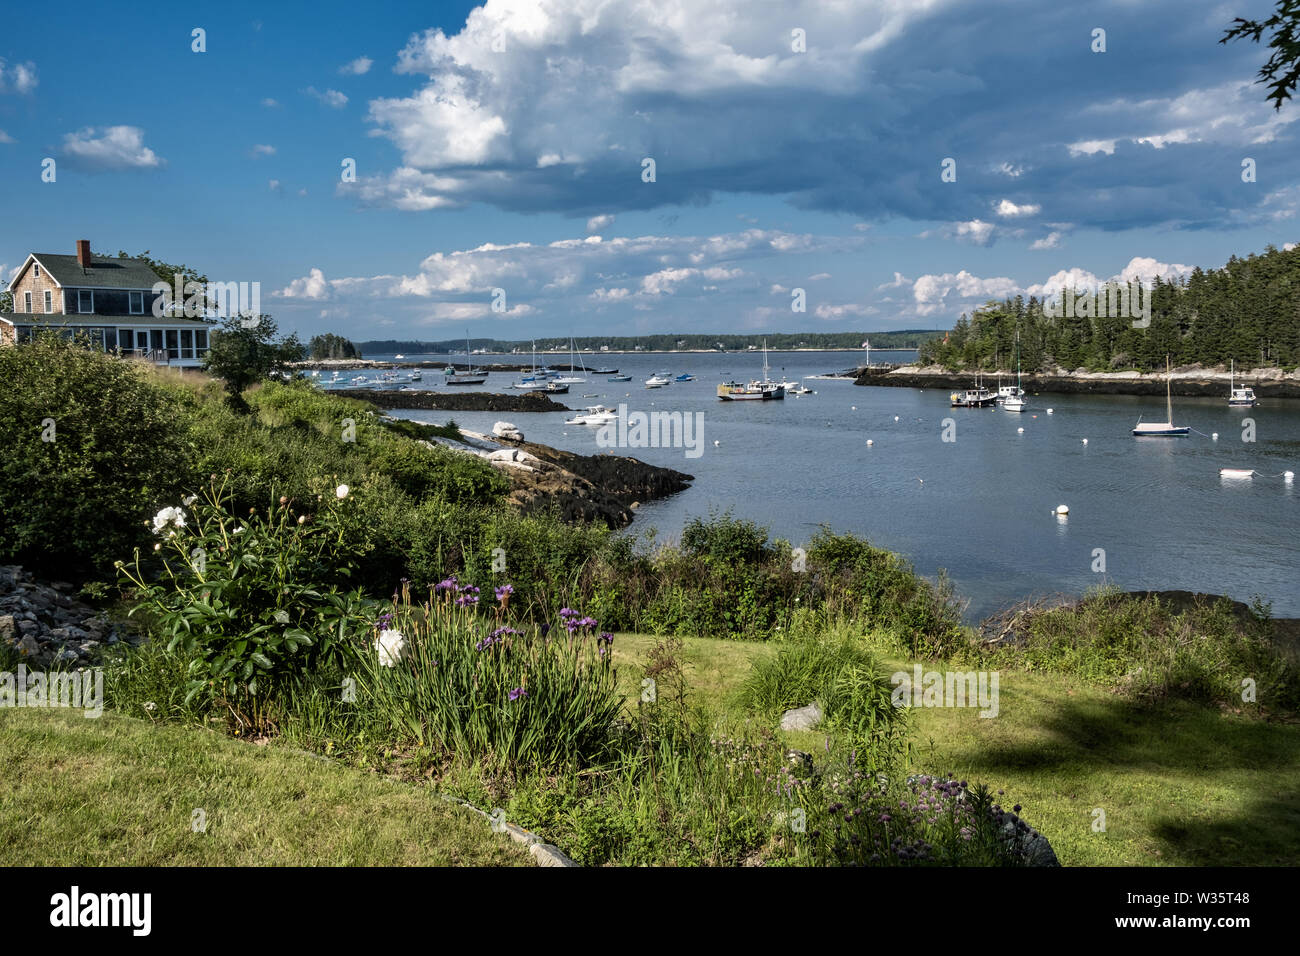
(136, 302)
(200, 343)
(126, 340)
(85, 300)
(187, 343)
(49, 301)
(173, 347)
(27, 302)
(36, 270)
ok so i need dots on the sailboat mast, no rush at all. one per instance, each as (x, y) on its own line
(1169, 400)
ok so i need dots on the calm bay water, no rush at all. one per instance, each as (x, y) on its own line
(981, 506)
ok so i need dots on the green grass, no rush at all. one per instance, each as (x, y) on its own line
(120, 791)
(1180, 783)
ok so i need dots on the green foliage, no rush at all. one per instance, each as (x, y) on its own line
(1151, 650)
(851, 689)
(90, 449)
(331, 346)
(245, 350)
(1282, 71)
(444, 675)
(252, 598)
(1247, 312)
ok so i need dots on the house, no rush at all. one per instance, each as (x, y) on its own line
(114, 302)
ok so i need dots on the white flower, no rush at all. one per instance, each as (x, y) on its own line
(239, 530)
(302, 519)
(190, 500)
(392, 647)
(341, 491)
(168, 516)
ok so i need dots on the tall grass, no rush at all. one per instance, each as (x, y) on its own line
(443, 676)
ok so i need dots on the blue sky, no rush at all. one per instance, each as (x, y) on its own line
(501, 146)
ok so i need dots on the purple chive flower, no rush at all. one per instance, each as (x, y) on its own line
(518, 693)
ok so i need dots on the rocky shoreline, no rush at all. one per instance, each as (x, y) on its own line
(455, 401)
(1190, 381)
(46, 626)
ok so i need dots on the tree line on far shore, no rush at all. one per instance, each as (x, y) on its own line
(667, 342)
(1247, 312)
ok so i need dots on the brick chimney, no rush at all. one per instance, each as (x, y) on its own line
(83, 253)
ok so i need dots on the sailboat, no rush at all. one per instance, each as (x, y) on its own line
(764, 390)
(1239, 397)
(572, 378)
(533, 381)
(1165, 429)
(1014, 401)
(465, 378)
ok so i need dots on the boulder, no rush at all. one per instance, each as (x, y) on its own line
(802, 718)
(508, 431)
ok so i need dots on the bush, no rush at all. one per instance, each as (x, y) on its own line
(1149, 649)
(90, 450)
(250, 599)
(845, 680)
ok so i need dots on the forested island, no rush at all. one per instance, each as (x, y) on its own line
(1247, 312)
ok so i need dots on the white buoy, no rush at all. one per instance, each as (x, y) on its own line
(1062, 509)
(1020, 431)
(870, 442)
(1288, 475)
(1215, 436)
(853, 408)
(1049, 411)
(1236, 473)
(1085, 441)
(716, 443)
(895, 418)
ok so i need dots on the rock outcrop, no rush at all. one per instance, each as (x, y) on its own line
(46, 626)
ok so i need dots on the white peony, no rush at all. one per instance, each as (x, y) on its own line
(341, 491)
(392, 647)
(168, 516)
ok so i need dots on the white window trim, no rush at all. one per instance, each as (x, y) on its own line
(91, 310)
(130, 303)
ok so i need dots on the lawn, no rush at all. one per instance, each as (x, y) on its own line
(123, 792)
(1179, 785)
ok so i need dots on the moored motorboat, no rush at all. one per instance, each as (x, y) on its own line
(1239, 396)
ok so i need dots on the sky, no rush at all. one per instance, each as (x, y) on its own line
(548, 167)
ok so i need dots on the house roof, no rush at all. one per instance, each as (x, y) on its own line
(104, 272)
(95, 320)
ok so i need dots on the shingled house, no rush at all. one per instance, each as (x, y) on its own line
(109, 300)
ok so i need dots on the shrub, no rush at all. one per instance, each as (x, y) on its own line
(865, 819)
(845, 680)
(90, 449)
(252, 598)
